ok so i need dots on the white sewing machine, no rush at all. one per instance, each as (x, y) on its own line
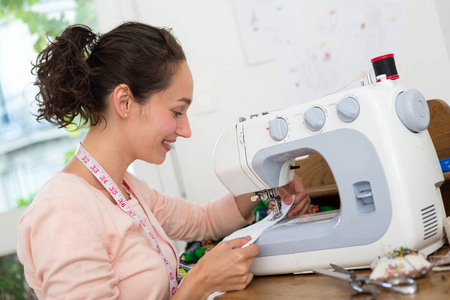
(375, 142)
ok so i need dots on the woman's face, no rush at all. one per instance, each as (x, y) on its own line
(163, 119)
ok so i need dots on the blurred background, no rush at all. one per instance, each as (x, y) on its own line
(246, 56)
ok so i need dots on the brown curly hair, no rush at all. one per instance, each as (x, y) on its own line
(79, 69)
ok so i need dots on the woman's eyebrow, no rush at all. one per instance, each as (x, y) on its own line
(187, 100)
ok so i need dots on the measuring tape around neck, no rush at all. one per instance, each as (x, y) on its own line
(102, 176)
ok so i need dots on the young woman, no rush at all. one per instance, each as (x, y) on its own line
(95, 231)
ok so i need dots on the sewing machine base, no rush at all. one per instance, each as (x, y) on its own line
(355, 257)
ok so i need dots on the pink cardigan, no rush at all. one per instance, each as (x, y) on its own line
(75, 244)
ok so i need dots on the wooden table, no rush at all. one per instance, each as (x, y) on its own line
(435, 285)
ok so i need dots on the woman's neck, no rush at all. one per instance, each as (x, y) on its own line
(109, 152)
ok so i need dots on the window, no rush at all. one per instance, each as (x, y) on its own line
(30, 152)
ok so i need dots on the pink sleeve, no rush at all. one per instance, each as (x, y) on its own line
(64, 251)
(187, 221)
(184, 220)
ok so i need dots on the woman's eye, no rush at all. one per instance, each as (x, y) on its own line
(177, 114)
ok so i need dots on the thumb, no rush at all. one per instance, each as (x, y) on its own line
(239, 242)
(288, 200)
(285, 196)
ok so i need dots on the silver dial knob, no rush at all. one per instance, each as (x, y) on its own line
(314, 118)
(278, 128)
(347, 109)
(412, 109)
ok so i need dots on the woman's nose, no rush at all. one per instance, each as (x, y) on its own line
(184, 129)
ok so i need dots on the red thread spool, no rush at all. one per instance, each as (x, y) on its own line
(385, 65)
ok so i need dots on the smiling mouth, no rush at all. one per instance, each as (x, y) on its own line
(168, 144)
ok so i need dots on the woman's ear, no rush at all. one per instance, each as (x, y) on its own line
(122, 100)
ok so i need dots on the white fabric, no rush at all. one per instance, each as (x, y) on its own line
(254, 231)
(215, 294)
(258, 228)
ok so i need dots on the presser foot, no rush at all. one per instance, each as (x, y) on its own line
(271, 196)
(275, 217)
(277, 213)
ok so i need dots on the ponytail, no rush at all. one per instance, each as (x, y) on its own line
(79, 69)
(64, 78)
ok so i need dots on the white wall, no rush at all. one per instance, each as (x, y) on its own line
(443, 10)
(427, 65)
(226, 87)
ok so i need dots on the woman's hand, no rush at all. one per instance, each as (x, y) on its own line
(224, 268)
(302, 202)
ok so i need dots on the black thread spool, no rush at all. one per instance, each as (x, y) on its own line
(385, 64)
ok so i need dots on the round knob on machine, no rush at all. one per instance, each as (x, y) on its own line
(314, 118)
(412, 110)
(278, 128)
(347, 109)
